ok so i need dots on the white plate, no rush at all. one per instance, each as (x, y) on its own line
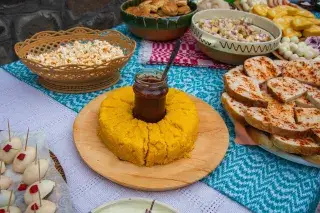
(133, 205)
(290, 157)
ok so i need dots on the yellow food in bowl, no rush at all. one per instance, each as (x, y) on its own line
(148, 144)
(300, 23)
(314, 30)
(291, 20)
(289, 32)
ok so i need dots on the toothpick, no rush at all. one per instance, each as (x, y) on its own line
(36, 159)
(34, 210)
(0, 169)
(152, 204)
(39, 197)
(9, 131)
(9, 200)
(39, 170)
(25, 146)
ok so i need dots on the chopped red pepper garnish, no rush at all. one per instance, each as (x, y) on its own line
(7, 148)
(34, 207)
(21, 156)
(22, 187)
(2, 211)
(33, 189)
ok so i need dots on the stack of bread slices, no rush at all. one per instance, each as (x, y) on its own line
(278, 102)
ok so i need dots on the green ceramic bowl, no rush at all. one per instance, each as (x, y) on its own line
(161, 29)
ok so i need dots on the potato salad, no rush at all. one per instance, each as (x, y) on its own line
(234, 29)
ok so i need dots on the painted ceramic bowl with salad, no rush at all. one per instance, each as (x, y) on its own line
(233, 36)
(158, 20)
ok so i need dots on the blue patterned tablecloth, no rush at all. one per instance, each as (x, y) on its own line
(249, 175)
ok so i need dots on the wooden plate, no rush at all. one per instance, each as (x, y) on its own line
(210, 148)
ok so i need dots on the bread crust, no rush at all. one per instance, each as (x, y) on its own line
(261, 68)
(312, 159)
(314, 98)
(301, 146)
(286, 89)
(251, 119)
(303, 71)
(316, 134)
(260, 137)
(231, 111)
(246, 100)
(260, 119)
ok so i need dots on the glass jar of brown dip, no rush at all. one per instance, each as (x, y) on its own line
(150, 96)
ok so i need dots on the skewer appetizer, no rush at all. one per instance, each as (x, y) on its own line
(2, 167)
(9, 208)
(41, 206)
(24, 158)
(38, 190)
(6, 197)
(45, 187)
(5, 182)
(12, 209)
(30, 174)
(10, 148)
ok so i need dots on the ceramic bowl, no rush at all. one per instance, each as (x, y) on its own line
(230, 51)
(157, 29)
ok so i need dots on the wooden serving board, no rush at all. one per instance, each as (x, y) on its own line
(210, 148)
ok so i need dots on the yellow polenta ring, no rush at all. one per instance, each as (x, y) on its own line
(145, 143)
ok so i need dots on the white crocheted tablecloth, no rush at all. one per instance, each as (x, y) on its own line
(27, 107)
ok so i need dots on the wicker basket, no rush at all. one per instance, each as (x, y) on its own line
(75, 78)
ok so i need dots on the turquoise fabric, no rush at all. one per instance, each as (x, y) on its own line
(249, 175)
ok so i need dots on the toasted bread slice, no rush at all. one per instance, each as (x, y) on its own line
(286, 89)
(303, 71)
(315, 76)
(261, 68)
(312, 159)
(260, 137)
(301, 146)
(279, 111)
(309, 117)
(235, 72)
(314, 97)
(260, 118)
(235, 109)
(281, 64)
(316, 134)
(287, 129)
(244, 89)
(304, 102)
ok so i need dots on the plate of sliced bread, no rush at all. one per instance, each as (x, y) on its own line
(278, 103)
